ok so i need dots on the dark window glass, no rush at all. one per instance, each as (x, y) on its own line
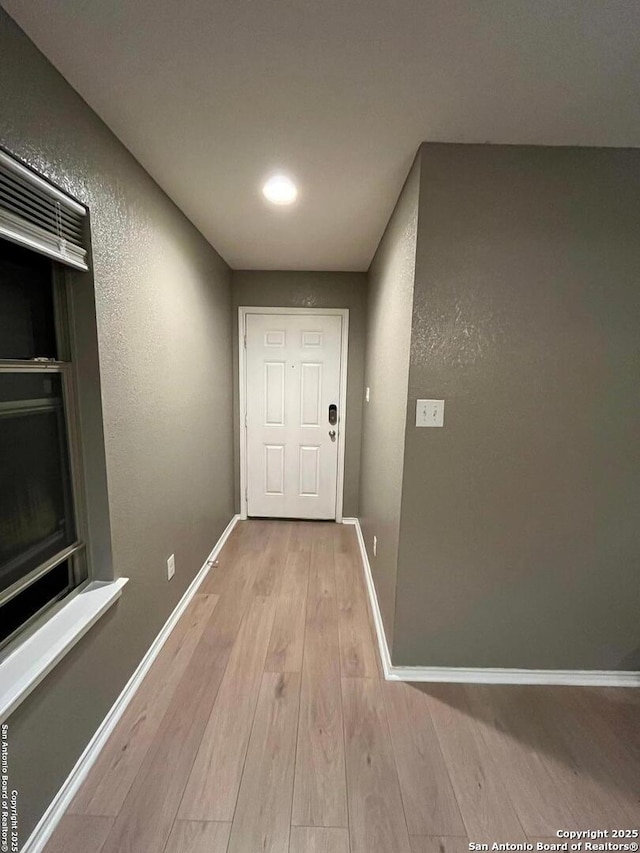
(33, 599)
(27, 327)
(36, 510)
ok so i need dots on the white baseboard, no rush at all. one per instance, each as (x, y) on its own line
(383, 647)
(47, 823)
(495, 675)
(483, 675)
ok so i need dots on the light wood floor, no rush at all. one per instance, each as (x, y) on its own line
(265, 726)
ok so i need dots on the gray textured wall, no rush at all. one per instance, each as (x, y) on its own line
(519, 539)
(391, 278)
(163, 307)
(312, 290)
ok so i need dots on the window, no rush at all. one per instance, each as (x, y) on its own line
(55, 581)
(42, 553)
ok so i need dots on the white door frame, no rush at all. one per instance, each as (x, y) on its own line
(243, 311)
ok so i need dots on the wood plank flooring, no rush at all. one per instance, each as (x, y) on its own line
(264, 726)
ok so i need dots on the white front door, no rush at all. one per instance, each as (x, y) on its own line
(292, 396)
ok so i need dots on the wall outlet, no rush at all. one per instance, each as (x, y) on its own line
(171, 566)
(375, 546)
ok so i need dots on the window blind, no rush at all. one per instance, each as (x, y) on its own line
(38, 215)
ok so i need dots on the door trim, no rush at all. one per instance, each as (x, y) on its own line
(243, 311)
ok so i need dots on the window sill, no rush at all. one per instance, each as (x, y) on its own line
(24, 669)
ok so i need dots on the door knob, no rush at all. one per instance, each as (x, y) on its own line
(332, 434)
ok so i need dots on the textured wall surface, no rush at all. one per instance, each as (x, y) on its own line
(519, 539)
(163, 308)
(391, 278)
(313, 290)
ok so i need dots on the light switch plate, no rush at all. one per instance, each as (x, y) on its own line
(429, 413)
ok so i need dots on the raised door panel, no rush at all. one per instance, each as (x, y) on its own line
(309, 471)
(274, 393)
(310, 394)
(274, 455)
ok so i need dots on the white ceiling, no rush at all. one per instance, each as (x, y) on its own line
(212, 95)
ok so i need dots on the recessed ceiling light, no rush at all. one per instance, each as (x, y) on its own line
(280, 189)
